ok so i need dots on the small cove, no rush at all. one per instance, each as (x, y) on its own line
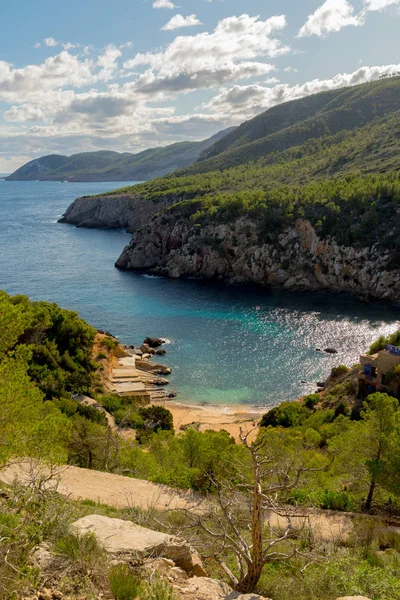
(228, 345)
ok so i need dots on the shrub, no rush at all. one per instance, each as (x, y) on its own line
(156, 418)
(101, 356)
(159, 589)
(339, 370)
(124, 585)
(83, 551)
(341, 501)
(341, 409)
(311, 400)
(287, 414)
(109, 343)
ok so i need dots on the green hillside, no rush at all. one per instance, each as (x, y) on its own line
(114, 166)
(346, 182)
(291, 124)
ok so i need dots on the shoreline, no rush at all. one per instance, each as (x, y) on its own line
(231, 418)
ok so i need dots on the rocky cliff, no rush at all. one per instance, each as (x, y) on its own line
(295, 258)
(113, 211)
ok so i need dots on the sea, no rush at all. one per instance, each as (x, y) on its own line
(226, 345)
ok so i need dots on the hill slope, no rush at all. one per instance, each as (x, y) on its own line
(313, 205)
(293, 123)
(114, 166)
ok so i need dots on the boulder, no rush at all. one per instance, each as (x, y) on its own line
(160, 381)
(205, 588)
(193, 425)
(148, 366)
(161, 352)
(126, 540)
(154, 342)
(146, 349)
(331, 350)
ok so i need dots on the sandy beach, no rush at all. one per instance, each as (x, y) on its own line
(231, 418)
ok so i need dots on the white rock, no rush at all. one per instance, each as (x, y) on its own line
(124, 538)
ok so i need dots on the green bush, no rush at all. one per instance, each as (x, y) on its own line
(340, 501)
(109, 343)
(339, 370)
(82, 550)
(287, 414)
(159, 589)
(311, 400)
(341, 409)
(156, 418)
(124, 585)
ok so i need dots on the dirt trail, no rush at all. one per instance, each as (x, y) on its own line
(120, 492)
(115, 490)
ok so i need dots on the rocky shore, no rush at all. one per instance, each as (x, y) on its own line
(113, 211)
(168, 243)
(297, 259)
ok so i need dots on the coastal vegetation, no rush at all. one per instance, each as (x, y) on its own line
(330, 450)
(291, 124)
(331, 158)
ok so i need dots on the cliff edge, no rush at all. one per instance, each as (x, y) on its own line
(112, 211)
(296, 259)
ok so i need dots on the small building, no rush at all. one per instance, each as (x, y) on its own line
(378, 372)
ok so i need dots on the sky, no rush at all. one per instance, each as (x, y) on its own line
(126, 75)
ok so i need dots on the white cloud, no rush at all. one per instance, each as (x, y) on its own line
(208, 59)
(243, 102)
(80, 101)
(108, 62)
(118, 118)
(151, 84)
(372, 5)
(49, 41)
(58, 71)
(291, 70)
(163, 4)
(179, 21)
(332, 16)
(70, 46)
(64, 70)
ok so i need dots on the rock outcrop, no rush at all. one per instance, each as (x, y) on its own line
(125, 540)
(112, 211)
(295, 257)
(171, 557)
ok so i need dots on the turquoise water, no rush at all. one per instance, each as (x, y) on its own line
(228, 344)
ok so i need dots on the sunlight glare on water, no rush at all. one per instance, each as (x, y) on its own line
(228, 345)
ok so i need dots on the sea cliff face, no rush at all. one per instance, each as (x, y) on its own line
(296, 258)
(112, 211)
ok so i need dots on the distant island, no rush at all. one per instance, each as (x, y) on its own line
(115, 166)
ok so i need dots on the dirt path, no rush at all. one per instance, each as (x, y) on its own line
(115, 490)
(120, 492)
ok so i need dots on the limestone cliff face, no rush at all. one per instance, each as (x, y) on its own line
(296, 258)
(113, 211)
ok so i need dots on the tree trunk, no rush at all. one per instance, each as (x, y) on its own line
(249, 582)
(371, 491)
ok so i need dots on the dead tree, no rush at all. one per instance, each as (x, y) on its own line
(249, 518)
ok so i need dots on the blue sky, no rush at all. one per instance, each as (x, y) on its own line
(128, 75)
